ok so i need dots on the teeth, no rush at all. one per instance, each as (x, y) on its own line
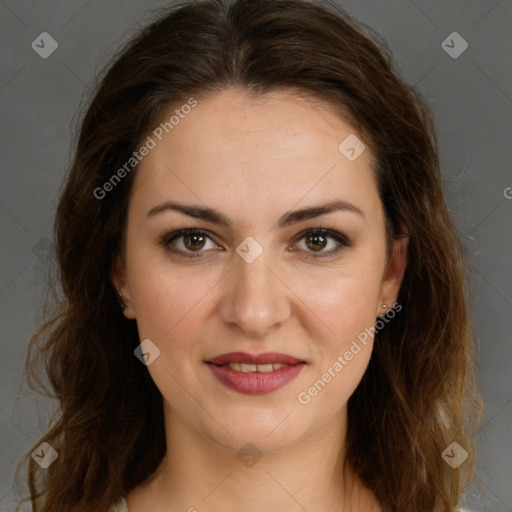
(261, 368)
(248, 367)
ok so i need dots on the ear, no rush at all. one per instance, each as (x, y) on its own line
(120, 281)
(393, 275)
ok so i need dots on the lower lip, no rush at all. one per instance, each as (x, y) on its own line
(255, 383)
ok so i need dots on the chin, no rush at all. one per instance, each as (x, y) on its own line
(269, 430)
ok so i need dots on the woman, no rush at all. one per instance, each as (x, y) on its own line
(263, 294)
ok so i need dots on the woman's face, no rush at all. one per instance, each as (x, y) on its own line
(252, 176)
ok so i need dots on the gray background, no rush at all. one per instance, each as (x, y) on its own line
(472, 98)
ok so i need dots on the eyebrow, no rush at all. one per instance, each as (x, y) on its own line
(289, 218)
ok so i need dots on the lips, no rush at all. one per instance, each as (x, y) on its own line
(266, 358)
(255, 373)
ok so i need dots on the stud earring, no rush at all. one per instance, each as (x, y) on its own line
(122, 305)
(382, 316)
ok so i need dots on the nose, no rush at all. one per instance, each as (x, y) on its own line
(256, 299)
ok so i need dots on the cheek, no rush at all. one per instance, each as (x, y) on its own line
(172, 309)
(342, 352)
(343, 302)
(167, 304)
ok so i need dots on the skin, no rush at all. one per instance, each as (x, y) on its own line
(255, 159)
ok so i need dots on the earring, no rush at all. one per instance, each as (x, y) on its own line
(122, 305)
(382, 316)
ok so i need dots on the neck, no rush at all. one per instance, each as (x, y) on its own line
(199, 475)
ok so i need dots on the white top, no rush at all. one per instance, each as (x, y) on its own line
(120, 506)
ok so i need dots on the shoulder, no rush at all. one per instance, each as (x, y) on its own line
(120, 506)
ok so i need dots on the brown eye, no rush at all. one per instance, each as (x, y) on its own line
(188, 242)
(316, 242)
(194, 241)
(322, 243)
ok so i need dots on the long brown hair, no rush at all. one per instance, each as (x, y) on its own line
(418, 394)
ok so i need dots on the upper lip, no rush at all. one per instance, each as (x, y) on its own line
(243, 357)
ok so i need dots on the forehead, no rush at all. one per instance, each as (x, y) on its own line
(234, 148)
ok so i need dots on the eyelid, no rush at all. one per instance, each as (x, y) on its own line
(340, 238)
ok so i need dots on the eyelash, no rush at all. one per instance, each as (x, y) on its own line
(167, 240)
